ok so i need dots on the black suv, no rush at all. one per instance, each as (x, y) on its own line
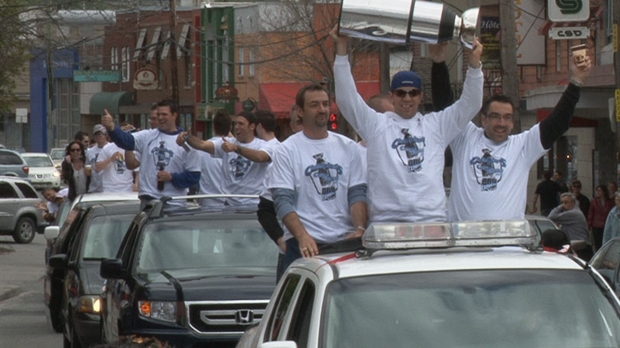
(189, 277)
(98, 238)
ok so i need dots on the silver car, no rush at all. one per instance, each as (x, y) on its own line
(13, 164)
(43, 172)
(18, 215)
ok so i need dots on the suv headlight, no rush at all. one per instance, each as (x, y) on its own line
(89, 304)
(159, 310)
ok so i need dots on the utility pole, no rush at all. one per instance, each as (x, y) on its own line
(174, 73)
(510, 82)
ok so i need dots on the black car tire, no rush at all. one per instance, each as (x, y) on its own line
(25, 230)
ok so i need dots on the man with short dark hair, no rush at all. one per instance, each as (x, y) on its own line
(83, 138)
(153, 117)
(166, 169)
(317, 187)
(584, 202)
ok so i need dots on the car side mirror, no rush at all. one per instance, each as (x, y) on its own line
(111, 269)
(51, 232)
(279, 344)
(58, 261)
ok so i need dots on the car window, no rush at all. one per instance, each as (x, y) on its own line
(300, 321)
(477, 308)
(285, 297)
(7, 191)
(57, 154)
(220, 245)
(39, 161)
(27, 190)
(104, 235)
(10, 158)
(607, 260)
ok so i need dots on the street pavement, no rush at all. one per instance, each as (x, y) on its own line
(13, 278)
(7, 290)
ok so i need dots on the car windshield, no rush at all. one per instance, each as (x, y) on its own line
(466, 309)
(39, 161)
(104, 235)
(221, 245)
(57, 154)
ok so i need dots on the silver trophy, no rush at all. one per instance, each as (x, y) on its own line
(403, 21)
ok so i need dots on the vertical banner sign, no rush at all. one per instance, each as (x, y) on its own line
(568, 10)
(489, 38)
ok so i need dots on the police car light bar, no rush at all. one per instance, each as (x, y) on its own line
(381, 236)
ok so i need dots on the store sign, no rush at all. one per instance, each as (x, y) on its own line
(145, 80)
(21, 115)
(568, 10)
(97, 75)
(569, 33)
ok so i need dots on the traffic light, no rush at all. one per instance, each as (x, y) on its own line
(333, 123)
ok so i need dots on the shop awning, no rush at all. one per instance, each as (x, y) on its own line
(279, 98)
(111, 101)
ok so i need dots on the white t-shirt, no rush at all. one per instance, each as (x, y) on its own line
(272, 146)
(211, 178)
(320, 172)
(158, 149)
(489, 180)
(52, 207)
(95, 178)
(115, 176)
(405, 157)
(240, 175)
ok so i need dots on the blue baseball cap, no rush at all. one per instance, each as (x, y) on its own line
(406, 78)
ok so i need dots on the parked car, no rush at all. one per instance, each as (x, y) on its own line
(42, 172)
(607, 262)
(464, 284)
(19, 216)
(98, 238)
(13, 164)
(71, 217)
(58, 155)
(191, 278)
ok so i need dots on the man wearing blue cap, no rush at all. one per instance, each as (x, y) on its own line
(405, 148)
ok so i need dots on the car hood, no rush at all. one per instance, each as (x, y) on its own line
(252, 283)
(42, 170)
(92, 283)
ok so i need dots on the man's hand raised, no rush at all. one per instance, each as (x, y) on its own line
(475, 54)
(108, 121)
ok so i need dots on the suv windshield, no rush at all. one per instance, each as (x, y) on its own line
(104, 236)
(39, 161)
(221, 245)
(491, 308)
(57, 154)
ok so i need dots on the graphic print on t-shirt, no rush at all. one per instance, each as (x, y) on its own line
(488, 170)
(119, 164)
(161, 155)
(239, 167)
(410, 150)
(324, 176)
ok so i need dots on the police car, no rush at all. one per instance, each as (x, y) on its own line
(466, 284)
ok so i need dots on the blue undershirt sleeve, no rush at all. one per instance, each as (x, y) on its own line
(284, 201)
(123, 139)
(357, 193)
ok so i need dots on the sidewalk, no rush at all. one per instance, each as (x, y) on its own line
(6, 290)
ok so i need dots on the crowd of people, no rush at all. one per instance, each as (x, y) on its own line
(318, 189)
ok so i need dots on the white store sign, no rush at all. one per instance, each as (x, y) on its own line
(568, 10)
(569, 33)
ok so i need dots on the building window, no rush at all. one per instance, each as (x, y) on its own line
(114, 58)
(251, 69)
(241, 61)
(125, 63)
(154, 46)
(609, 20)
(139, 44)
(558, 55)
(67, 108)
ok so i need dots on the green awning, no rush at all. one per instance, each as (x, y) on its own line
(110, 101)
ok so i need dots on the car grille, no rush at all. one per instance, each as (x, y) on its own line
(224, 317)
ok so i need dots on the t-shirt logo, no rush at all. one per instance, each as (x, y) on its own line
(324, 176)
(161, 156)
(410, 150)
(488, 170)
(239, 167)
(119, 164)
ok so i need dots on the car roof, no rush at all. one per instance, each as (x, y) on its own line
(34, 154)
(432, 260)
(13, 179)
(116, 208)
(106, 197)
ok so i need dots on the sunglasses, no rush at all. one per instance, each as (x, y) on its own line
(401, 93)
(75, 150)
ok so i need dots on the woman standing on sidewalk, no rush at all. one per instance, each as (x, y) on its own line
(599, 209)
(74, 170)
